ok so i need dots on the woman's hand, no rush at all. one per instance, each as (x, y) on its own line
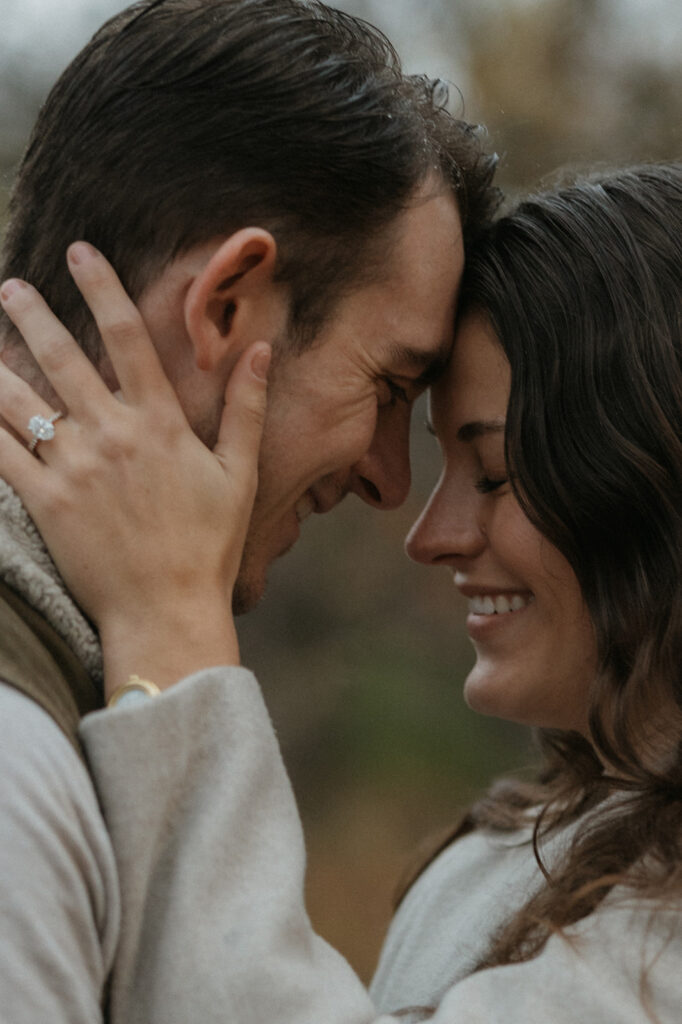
(145, 523)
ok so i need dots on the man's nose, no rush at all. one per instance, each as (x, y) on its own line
(449, 530)
(382, 476)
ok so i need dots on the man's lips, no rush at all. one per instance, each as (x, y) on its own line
(311, 502)
(304, 506)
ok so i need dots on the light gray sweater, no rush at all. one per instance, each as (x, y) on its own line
(211, 861)
(193, 891)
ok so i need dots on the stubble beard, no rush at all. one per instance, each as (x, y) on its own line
(249, 588)
(245, 597)
(250, 585)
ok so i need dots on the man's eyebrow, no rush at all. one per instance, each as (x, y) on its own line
(431, 364)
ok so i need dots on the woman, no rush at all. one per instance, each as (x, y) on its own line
(558, 510)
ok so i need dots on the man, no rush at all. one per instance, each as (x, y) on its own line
(255, 170)
(184, 125)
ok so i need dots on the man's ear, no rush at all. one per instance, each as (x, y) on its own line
(232, 300)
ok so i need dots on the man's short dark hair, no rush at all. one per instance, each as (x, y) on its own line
(185, 120)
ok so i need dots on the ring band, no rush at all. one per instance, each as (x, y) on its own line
(42, 429)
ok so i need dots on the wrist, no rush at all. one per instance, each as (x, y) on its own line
(165, 647)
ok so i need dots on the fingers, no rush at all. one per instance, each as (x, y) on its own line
(125, 337)
(241, 427)
(18, 403)
(69, 371)
(22, 471)
(123, 332)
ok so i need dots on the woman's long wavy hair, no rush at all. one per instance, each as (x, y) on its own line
(583, 287)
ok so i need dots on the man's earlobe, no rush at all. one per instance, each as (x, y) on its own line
(230, 302)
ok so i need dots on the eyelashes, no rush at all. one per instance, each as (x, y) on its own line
(486, 485)
(396, 392)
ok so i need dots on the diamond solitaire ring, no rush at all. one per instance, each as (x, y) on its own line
(42, 429)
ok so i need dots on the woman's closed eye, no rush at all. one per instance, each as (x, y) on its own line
(486, 484)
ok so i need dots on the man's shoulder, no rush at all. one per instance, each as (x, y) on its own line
(59, 892)
(37, 759)
(47, 798)
(36, 660)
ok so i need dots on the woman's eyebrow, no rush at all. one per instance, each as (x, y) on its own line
(470, 431)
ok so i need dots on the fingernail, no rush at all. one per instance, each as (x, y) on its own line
(260, 363)
(79, 252)
(11, 287)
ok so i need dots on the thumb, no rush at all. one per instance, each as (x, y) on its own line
(241, 424)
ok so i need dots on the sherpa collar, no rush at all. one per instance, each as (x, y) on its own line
(26, 566)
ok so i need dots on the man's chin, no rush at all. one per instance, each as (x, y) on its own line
(246, 595)
(249, 589)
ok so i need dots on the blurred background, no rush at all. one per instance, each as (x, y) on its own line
(361, 654)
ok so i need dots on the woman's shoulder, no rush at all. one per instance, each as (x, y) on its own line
(446, 920)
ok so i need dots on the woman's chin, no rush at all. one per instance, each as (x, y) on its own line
(525, 698)
(499, 695)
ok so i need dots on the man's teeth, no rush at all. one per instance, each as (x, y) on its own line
(498, 605)
(304, 506)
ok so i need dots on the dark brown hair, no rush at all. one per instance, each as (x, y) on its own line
(583, 287)
(183, 120)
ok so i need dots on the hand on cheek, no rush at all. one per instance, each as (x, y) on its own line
(144, 522)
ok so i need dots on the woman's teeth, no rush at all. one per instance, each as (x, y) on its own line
(499, 605)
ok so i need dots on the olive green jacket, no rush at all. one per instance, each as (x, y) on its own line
(37, 661)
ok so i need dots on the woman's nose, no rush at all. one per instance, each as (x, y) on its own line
(448, 529)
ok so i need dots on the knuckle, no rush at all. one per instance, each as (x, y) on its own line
(124, 326)
(58, 353)
(69, 478)
(254, 411)
(162, 425)
(125, 329)
(55, 498)
(80, 473)
(115, 441)
(117, 446)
